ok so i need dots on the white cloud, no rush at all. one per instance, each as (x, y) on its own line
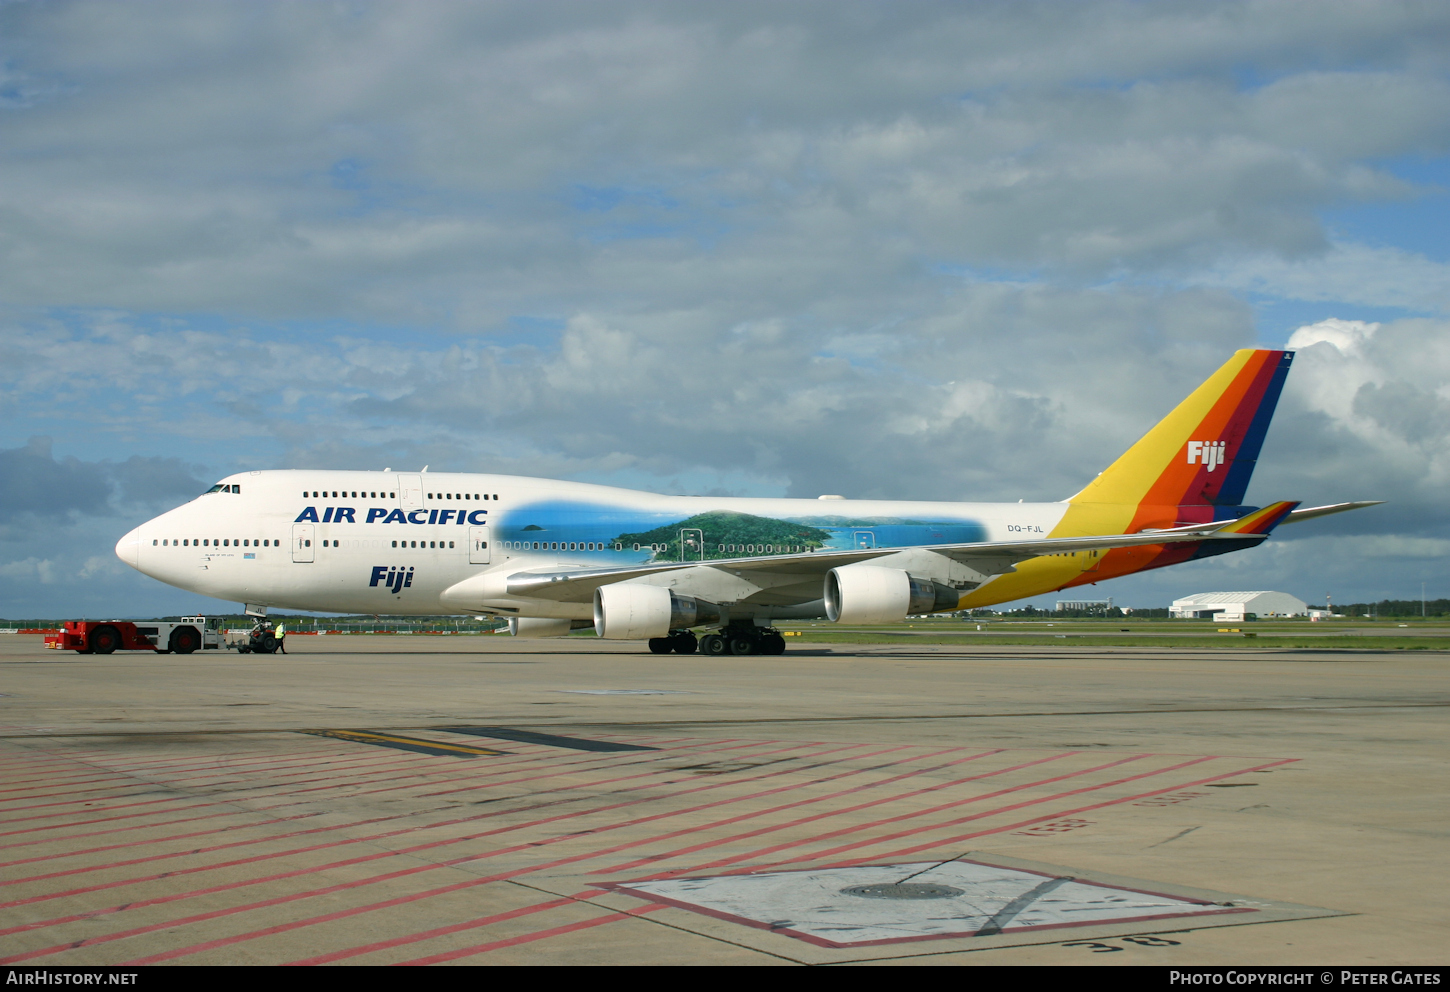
(1348, 337)
(42, 569)
(1348, 273)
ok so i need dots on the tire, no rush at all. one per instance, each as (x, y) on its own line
(243, 649)
(661, 645)
(772, 644)
(104, 640)
(185, 640)
(714, 645)
(744, 645)
(684, 643)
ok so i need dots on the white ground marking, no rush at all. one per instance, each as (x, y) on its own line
(814, 906)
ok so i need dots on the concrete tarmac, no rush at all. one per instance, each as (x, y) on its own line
(487, 800)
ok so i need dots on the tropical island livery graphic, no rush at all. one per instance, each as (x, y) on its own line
(714, 535)
(711, 536)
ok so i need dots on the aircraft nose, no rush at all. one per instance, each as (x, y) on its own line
(128, 549)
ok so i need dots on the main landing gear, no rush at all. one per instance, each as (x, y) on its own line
(740, 637)
(743, 638)
(679, 641)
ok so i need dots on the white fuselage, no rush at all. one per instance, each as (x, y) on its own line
(391, 543)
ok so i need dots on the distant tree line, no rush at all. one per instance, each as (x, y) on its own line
(1395, 608)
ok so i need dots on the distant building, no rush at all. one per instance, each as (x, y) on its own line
(1238, 605)
(1086, 605)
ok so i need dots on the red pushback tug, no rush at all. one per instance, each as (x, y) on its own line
(161, 636)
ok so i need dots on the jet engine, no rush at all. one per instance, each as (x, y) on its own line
(872, 594)
(539, 627)
(631, 612)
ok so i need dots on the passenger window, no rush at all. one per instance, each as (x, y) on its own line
(450, 544)
(395, 544)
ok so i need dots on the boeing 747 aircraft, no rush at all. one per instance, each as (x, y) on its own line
(555, 556)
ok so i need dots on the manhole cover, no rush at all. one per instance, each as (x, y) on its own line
(902, 890)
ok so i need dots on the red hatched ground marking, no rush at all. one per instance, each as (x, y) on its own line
(350, 885)
(993, 811)
(800, 771)
(280, 820)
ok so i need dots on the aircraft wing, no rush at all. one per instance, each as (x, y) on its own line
(565, 584)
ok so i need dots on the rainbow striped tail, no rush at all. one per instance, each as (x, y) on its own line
(1194, 465)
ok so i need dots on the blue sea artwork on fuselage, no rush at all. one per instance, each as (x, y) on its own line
(613, 534)
(567, 526)
(900, 534)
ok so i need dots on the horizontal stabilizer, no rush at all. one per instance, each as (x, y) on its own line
(1260, 521)
(1310, 513)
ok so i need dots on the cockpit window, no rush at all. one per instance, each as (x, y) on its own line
(214, 489)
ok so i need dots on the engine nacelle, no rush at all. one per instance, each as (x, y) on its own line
(872, 594)
(539, 627)
(632, 612)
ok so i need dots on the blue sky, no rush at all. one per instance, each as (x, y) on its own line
(936, 251)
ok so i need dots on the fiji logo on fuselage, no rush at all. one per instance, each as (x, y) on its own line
(1209, 454)
(392, 577)
(347, 515)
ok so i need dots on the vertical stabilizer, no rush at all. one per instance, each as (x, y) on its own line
(1203, 453)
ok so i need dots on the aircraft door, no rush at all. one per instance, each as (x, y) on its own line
(410, 492)
(302, 538)
(478, 553)
(692, 544)
(864, 539)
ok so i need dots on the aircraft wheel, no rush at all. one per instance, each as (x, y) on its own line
(714, 644)
(684, 643)
(744, 645)
(185, 640)
(772, 644)
(661, 645)
(104, 640)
